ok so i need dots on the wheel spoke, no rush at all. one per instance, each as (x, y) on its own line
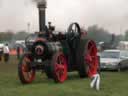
(90, 49)
(60, 68)
(88, 58)
(23, 68)
(91, 59)
(58, 75)
(27, 72)
(27, 60)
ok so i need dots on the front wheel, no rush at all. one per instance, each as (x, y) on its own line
(59, 67)
(25, 71)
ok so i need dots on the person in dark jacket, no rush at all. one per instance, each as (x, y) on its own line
(18, 52)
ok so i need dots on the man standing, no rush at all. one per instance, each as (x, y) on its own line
(95, 78)
(6, 53)
(18, 52)
(1, 53)
(95, 82)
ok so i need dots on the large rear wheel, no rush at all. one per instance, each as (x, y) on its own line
(59, 67)
(25, 71)
(87, 59)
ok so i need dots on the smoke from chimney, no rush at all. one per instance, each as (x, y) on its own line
(39, 1)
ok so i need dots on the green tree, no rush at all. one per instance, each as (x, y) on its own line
(126, 35)
(98, 34)
(6, 36)
(21, 35)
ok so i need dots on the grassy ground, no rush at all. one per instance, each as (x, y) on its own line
(112, 84)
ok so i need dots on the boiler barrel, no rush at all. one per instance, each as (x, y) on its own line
(54, 47)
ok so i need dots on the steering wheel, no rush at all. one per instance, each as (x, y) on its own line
(73, 31)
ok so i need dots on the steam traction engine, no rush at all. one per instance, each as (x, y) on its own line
(57, 54)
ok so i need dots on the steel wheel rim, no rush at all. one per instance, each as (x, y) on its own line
(60, 68)
(28, 73)
(91, 58)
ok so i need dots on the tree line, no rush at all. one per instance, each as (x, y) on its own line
(9, 36)
(100, 34)
(94, 32)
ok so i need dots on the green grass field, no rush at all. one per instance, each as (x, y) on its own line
(112, 84)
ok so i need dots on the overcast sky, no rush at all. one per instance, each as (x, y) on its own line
(110, 14)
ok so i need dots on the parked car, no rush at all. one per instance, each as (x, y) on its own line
(114, 60)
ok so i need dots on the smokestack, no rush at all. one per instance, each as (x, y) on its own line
(42, 8)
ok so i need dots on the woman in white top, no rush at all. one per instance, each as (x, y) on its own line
(6, 52)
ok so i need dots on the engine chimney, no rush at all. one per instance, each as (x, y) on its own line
(42, 7)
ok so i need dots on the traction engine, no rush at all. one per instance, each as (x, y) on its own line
(57, 54)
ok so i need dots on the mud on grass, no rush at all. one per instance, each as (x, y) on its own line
(112, 84)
